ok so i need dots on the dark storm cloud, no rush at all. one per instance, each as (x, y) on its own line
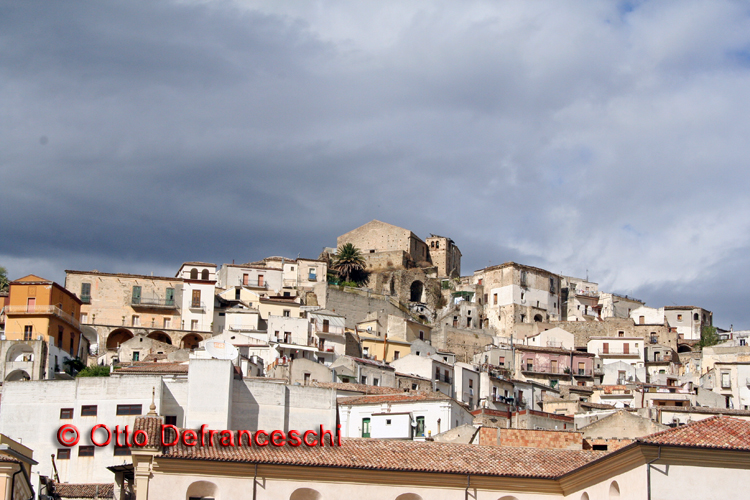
(608, 137)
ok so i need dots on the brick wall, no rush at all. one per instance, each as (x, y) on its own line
(528, 438)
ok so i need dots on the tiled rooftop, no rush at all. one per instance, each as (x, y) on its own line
(103, 490)
(715, 432)
(406, 456)
(364, 389)
(402, 397)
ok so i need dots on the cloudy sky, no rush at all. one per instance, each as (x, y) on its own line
(608, 138)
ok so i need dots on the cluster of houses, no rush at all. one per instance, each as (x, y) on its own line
(511, 357)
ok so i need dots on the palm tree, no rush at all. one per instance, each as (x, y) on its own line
(349, 263)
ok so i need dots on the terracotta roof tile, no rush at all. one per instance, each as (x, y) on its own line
(364, 389)
(403, 397)
(406, 456)
(139, 368)
(65, 490)
(714, 432)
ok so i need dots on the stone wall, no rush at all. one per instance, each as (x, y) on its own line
(463, 343)
(611, 327)
(355, 304)
(611, 444)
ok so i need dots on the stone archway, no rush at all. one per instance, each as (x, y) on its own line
(415, 291)
(90, 334)
(538, 318)
(17, 375)
(161, 337)
(117, 337)
(20, 352)
(190, 341)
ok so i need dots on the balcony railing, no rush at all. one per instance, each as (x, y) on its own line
(331, 331)
(44, 310)
(564, 371)
(86, 299)
(619, 352)
(255, 284)
(198, 306)
(153, 302)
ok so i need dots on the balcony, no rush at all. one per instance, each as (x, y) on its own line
(152, 303)
(44, 310)
(564, 371)
(198, 306)
(330, 331)
(86, 299)
(632, 353)
(255, 284)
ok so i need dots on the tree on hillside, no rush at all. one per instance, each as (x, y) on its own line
(3, 279)
(709, 337)
(350, 265)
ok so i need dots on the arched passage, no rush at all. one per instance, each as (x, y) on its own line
(305, 494)
(20, 352)
(200, 489)
(161, 337)
(117, 337)
(684, 348)
(538, 318)
(191, 341)
(614, 490)
(17, 375)
(416, 290)
(90, 334)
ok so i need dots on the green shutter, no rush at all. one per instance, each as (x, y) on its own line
(136, 295)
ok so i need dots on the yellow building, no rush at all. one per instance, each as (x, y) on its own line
(39, 307)
(15, 469)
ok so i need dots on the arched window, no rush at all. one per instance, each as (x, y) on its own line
(305, 494)
(204, 275)
(416, 291)
(193, 274)
(409, 496)
(614, 490)
(695, 317)
(585, 496)
(203, 489)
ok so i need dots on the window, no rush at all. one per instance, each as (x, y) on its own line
(193, 274)
(261, 280)
(129, 409)
(375, 381)
(523, 318)
(121, 451)
(86, 293)
(167, 322)
(387, 421)
(245, 279)
(437, 373)
(196, 299)
(237, 293)
(135, 320)
(63, 453)
(170, 420)
(494, 299)
(529, 365)
(88, 411)
(679, 317)
(136, 298)
(312, 274)
(28, 332)
(524, 278)
(363, 380)
(447, 376)
(84, 318)
(136, 356)
(288, 338)
(396, 354)
(695, 317)
(169, 297)
(193, 324)
(641, 320)
(365, 427)
(204, 275)
(581, 368)
(307, 378)
(365, 351)
(31, 304)
(605, 348)
(419, 430)
(725, 381)
(66, 413)
(326, 325)
(60, 337)
(552, 285)
(621, 333)
(85, 451)
(421, 334)
(287, 313)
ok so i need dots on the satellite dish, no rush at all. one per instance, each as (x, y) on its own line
(220, 349)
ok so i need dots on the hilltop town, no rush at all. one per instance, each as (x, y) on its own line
(507, 372)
